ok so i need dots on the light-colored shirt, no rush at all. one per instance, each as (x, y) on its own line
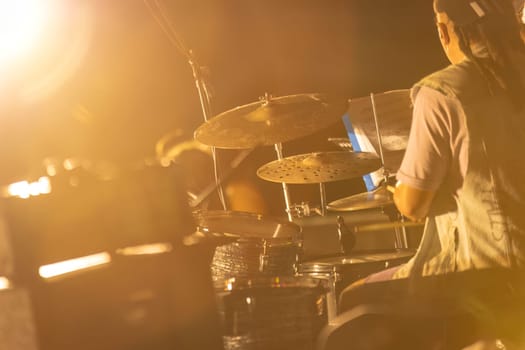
(437, 147)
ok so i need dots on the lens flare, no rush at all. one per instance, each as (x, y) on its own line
(78, 264)
(21, 23)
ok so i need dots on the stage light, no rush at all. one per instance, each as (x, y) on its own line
(73, 265)
(4, 283)
(25, 189)
(146, 249)
(21, 24)
(18, 189)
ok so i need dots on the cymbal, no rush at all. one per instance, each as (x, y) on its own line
(377, 198)
(271, 121)
(319, 167)
(237, 224)
(394, 117)
(392, 105)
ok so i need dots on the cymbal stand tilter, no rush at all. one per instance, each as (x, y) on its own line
(304, 209)
(400, 232)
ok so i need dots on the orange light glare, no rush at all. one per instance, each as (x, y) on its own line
(73, 265)
(4, 283)
(21, 23)
(25, 189)
(146, 249)
(18, 189)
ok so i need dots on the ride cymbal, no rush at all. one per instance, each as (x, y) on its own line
(319, 167)
(271, 121)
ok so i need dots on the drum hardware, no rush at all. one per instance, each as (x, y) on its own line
(302, 210)
(286, 193)
(379, 139)
(262, 246)
(318, 167)
(271, 120)
(264, 258)
(340, 271)
(380, 196)
(342, 142)
(347, 237)
(394, 109)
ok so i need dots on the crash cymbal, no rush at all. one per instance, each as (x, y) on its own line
(394, 117)
(378, 198)
(319, 167)
(270, 121)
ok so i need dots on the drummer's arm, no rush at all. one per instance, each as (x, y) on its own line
(413, 202)
(427, 156)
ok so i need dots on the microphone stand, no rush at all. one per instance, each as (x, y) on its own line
(205, 101)
(200, 83)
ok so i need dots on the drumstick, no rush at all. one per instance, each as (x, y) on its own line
(385, 226)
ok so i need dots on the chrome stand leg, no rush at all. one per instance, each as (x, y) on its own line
(287, 201)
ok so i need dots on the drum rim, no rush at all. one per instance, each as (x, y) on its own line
(336, 263)
(232, 284)
(200, 216)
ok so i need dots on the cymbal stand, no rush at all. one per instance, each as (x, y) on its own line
(401, 234)
(286, 193)
(322, 192)
(202, 86)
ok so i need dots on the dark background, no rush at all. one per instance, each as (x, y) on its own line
(131, 86)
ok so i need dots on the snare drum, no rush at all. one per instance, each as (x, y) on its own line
(271, 312)
(340, 271)
(263, 246)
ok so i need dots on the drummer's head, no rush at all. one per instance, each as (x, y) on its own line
(488, 33)
(472, 27)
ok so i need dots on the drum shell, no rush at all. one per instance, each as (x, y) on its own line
(271, 313)
(263, 246)
(340, 271)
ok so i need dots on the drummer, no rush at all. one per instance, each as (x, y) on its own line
(463, 169)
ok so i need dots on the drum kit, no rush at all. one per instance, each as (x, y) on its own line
(269, 296)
